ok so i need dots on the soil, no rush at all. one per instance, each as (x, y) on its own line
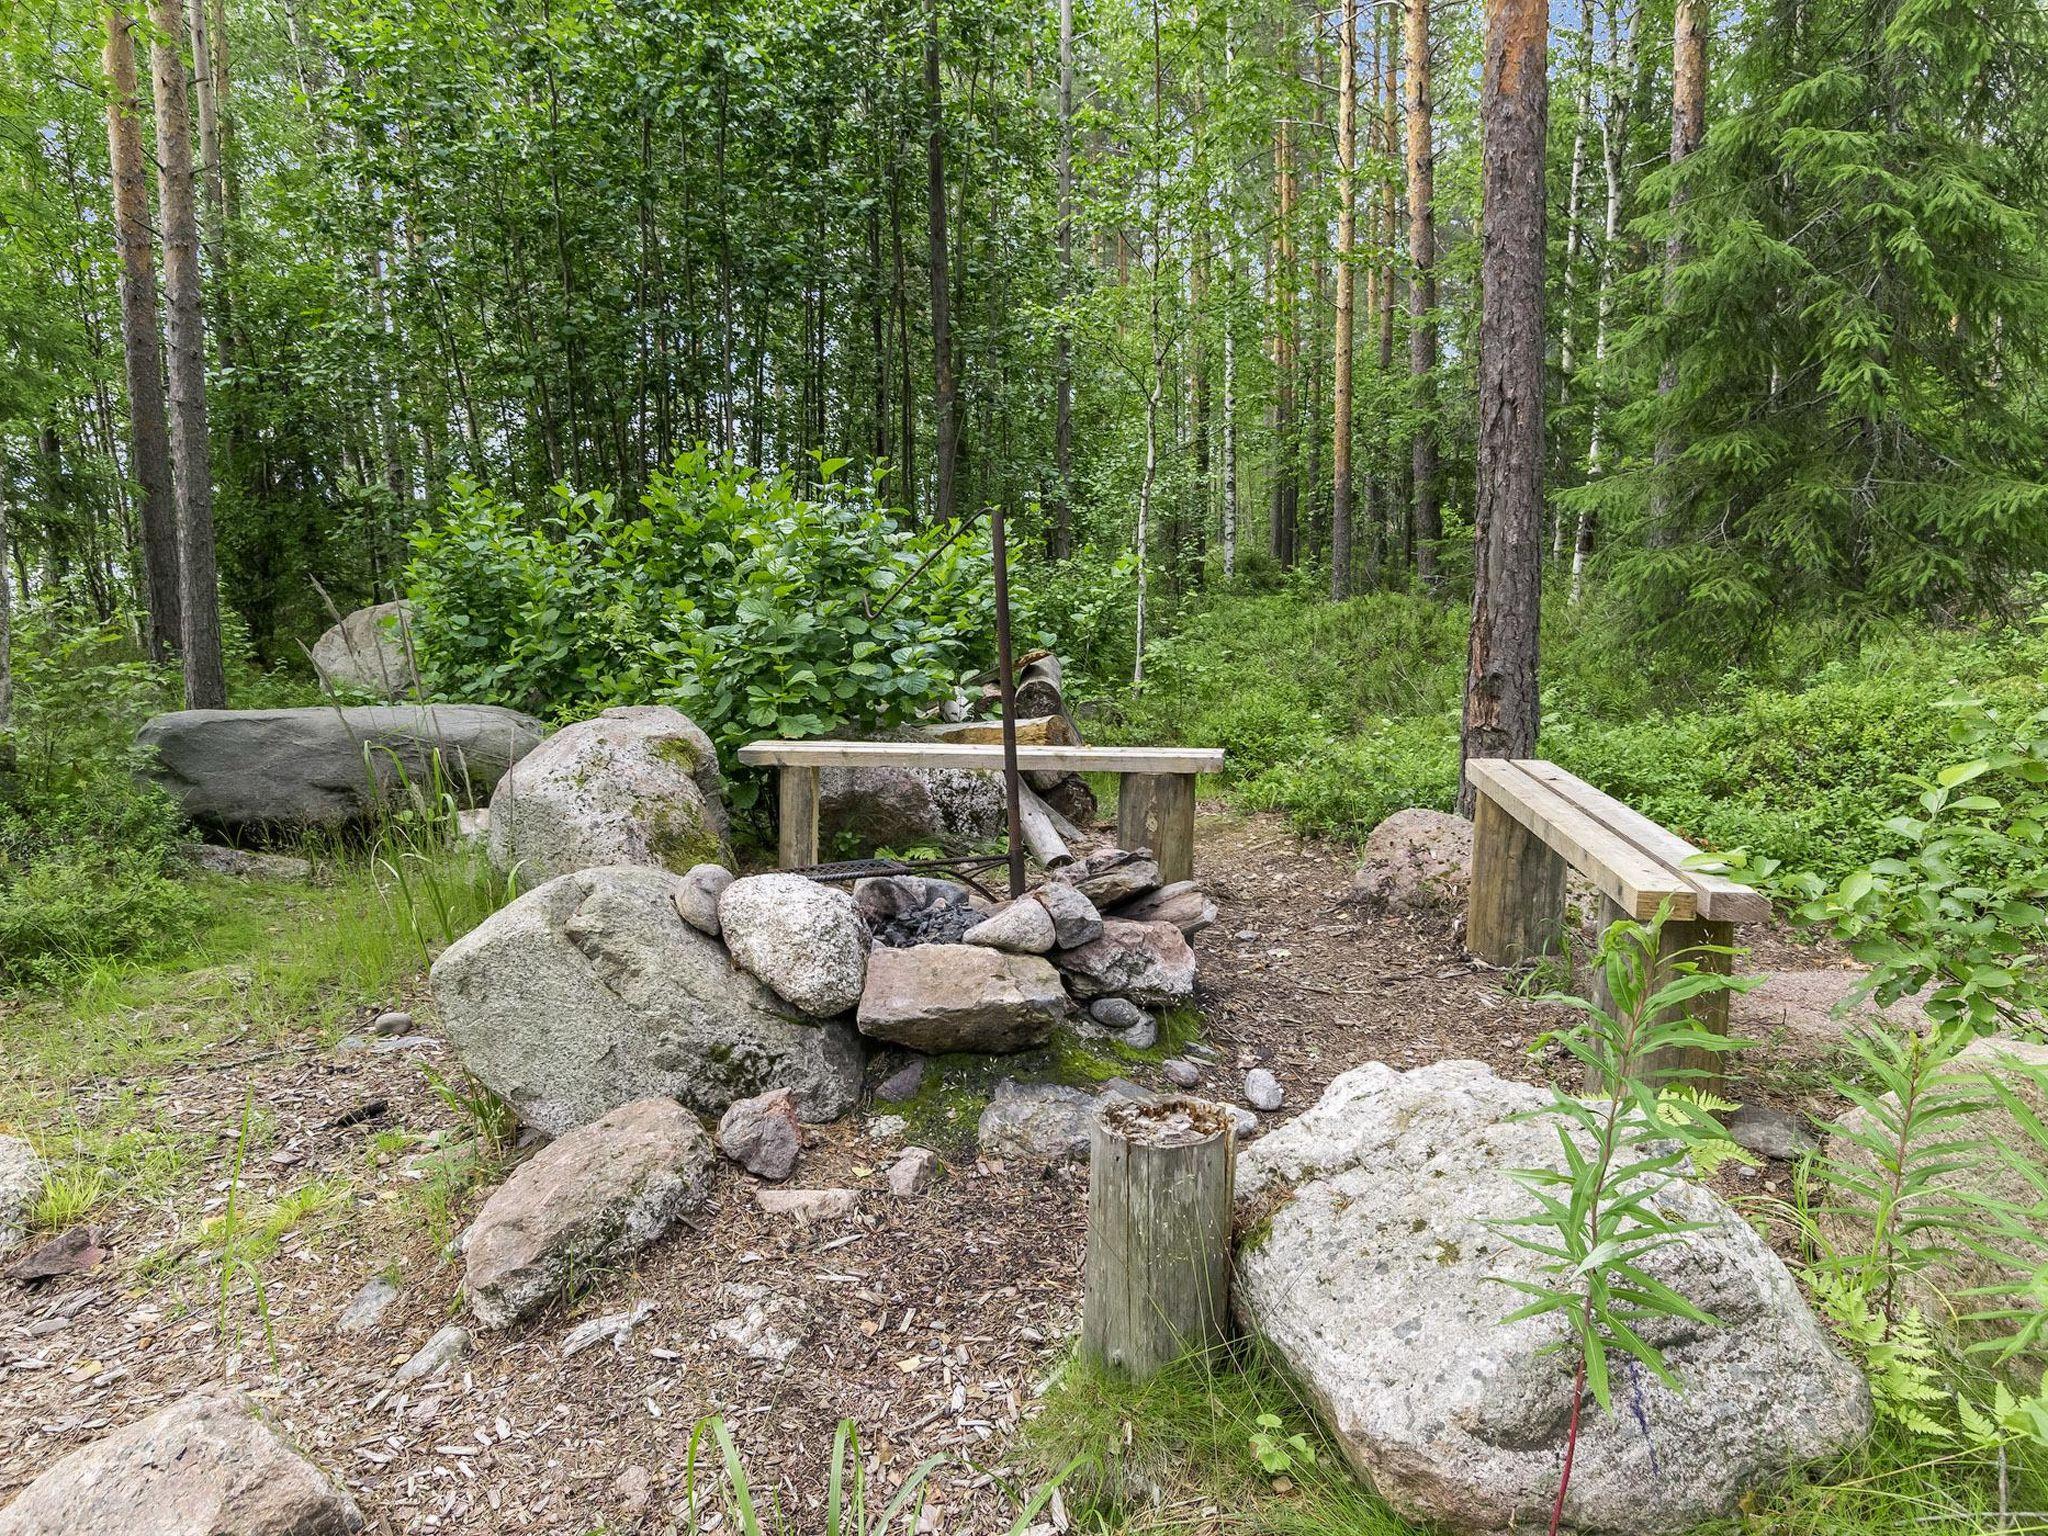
(928, 1320)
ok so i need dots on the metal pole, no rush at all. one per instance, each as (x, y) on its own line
(1007, 681)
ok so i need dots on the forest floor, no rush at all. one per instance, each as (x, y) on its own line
(253, 1179)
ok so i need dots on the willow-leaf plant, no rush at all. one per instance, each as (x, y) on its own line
(1599, 1216)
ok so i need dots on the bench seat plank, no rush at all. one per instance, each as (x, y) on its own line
(985, 757)
(1720, 899)
(1634, 881)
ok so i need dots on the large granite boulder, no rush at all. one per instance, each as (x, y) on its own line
(371, 650)
(21, 1186)
(1377, 1273)
(591, 991)
(805, 940)
(1984, 1172)
(601, 1192)
(208, 1465)
(1149, 963)
(960, 997)
(1416, 860)
(636, 785)
(288, 770)
(900, 808)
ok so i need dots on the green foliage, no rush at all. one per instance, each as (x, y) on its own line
(755, 608)
(1597, 1218)
(1278, 1451)
(1962, 905)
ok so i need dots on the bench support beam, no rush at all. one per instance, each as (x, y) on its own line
(797, 808)
(1709, 1009)
(1157, 811)
(1515, 910)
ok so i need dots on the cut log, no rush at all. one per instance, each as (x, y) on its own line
(1041, 834)
(1038, 731)
(1039, 689)
(1159, 1207)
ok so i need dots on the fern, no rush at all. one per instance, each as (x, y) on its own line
(1900, 1357)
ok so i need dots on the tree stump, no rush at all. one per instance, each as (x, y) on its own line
(1159, 1211)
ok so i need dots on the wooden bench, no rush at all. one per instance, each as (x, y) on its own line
(1155, 800)
(1531, 821)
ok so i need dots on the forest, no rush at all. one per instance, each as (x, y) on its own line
(1651, 391)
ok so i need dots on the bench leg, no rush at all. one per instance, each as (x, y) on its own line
(1157, 811)
(797, 789)
(1709, 1009)
(1515, 910)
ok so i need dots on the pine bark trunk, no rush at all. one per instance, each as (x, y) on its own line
(1422, 339)
(141, 346)
(1286, 488)
(945, 403)
(1347, 246)
(191, 462)
(1500, 678)
(1063, 408)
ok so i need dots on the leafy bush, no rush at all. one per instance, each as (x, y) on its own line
(755, 609)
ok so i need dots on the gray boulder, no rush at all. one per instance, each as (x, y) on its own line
(1181, 904)
(287, 770)
(1109, 876)
(697, 897)
(805, 940)
(1023, 927)
(896, 807)
(960, 997)
(590, 991)
(591, 1197)
(1075, 920)
(21, 1186)
(1149, 963)
(636, 785)
(372, 650)
(208, 1465)
(1810, 1012)
(1416, 860)
(1037, 1123)
(1378, 1279)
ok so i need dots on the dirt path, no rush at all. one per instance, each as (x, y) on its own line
(929, 1321)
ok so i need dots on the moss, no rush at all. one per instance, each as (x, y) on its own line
(675, 749)
(681, 837)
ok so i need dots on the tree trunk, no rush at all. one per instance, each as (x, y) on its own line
(1386, 532)
(1063, 410)
(1507, 567)
(1347, 246)
(205, 78)
(191, 462)
(1688, 128)
(141, 347)
(944, 401)
(1422, 292)
(1230, 339)
(1286, 490)
(1567, 333)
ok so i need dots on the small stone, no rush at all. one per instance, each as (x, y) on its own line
(887, 1127)
(473, 826)
(807, 1205)
(394, 1023)
(762, 1135)
(631, 1490)
(368, 1307)
(1771, 1133)
(351, 1045)
(771, 1329)
(1262, 1090)
(903, 1083)
(1181, 1072)
(1075, 921)
(1118, 1013)
(613, 1327)
(449, 1344)
(390, 1044)
(911, 1174)
(1143, 1035)
(696, 898)
(1034, 1122)
(1242, 1120)
(1023, 927)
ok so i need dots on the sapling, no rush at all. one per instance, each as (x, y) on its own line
(1598, 1218)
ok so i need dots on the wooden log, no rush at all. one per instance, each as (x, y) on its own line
(1157, 811)
(1039, 731)
(1039, 688)
(1041, 836)
(1516, 907)
(797, 805)
(1157, 1284)
(1709, 1009)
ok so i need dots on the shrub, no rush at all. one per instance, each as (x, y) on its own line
(757, 610)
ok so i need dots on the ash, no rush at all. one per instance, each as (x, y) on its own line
(939, 923)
